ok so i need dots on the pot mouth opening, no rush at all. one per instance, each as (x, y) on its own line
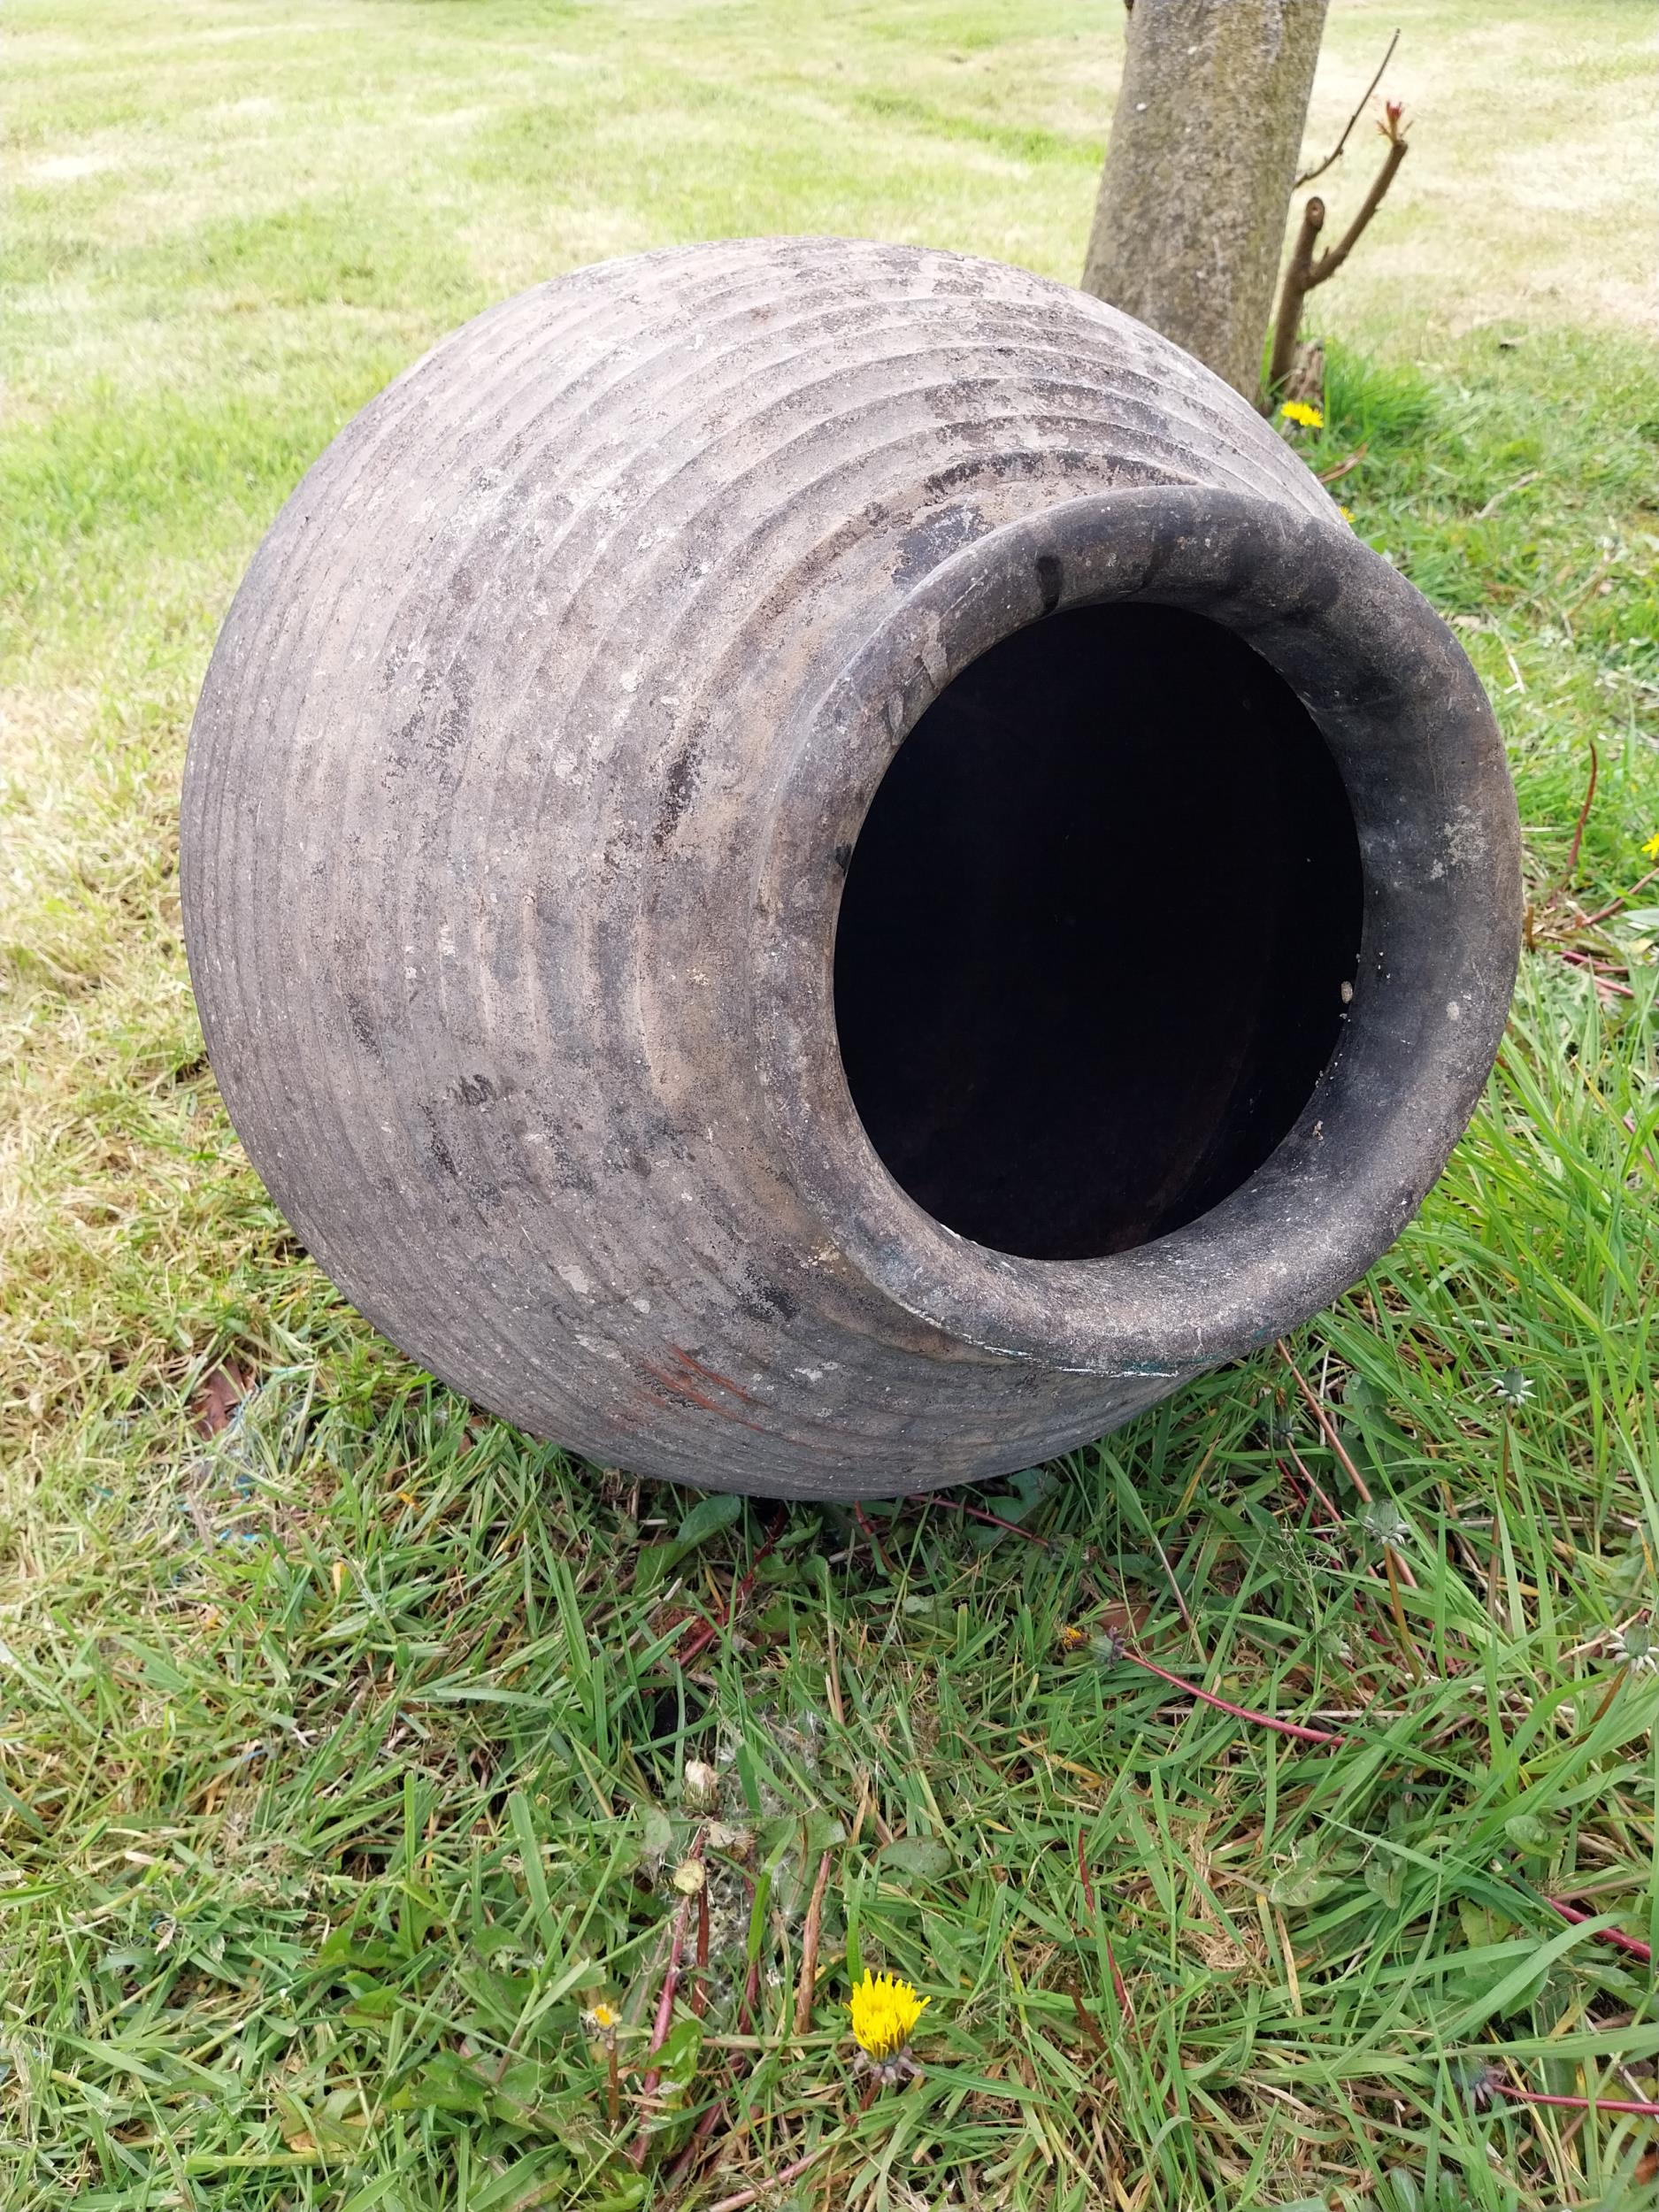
(1095, 932)
(1065, 868)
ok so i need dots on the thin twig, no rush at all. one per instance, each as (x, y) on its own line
(1312, 1480)
(775, 2181)
(1327, 1428)
(806, 1988)
(1329, 262)
(1613, 1689)
(1624, 899)
(1486, 513)
(1348, 465)
(1119, 1988)
(1584, 814)
(751, 1998)
(1175, 1589)
(1302, 272)
(659, 2030)
(995, 1520)
(1335, 154)
(1603, 982)
(1091, 2032)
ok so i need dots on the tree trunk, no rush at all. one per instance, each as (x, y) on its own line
(1193, 202)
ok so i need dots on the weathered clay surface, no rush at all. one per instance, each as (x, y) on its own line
(518, 806)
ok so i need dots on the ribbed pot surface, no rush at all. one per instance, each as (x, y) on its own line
(528, 794)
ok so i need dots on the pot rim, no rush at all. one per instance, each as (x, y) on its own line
(1422, 765)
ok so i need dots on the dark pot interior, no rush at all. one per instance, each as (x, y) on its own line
(1095, 928)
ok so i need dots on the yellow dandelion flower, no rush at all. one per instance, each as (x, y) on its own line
(884, 2011)
(1652, 847)
(1298, 410)
(1346, 513)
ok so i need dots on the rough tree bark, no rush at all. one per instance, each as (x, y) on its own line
(1193, 202)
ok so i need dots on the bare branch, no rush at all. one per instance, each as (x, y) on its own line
(1298, 276)
(1328, 264)
(1335, 154)
(1304, 271)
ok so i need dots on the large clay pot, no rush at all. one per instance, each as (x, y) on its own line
(820, 869)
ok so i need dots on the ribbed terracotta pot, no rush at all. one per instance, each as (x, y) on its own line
(821, 869)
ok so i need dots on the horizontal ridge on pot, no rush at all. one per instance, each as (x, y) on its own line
(818, 868)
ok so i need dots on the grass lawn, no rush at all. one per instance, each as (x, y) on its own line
(350, 1742)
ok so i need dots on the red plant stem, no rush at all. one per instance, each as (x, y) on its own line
(706, 1635)
(665, 2016)
(692, 2151)
(1126, 2009)
(1606, 1935)
(1603, 982)
(863, 1520)
(665, 2002)
(700, 1991)
(659, 2032)
(995, 1520)
(1578, 2104)
(1239, 1712)
(1623, 899)
(671, 1983)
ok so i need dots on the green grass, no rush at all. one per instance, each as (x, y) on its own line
(344, 1754)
